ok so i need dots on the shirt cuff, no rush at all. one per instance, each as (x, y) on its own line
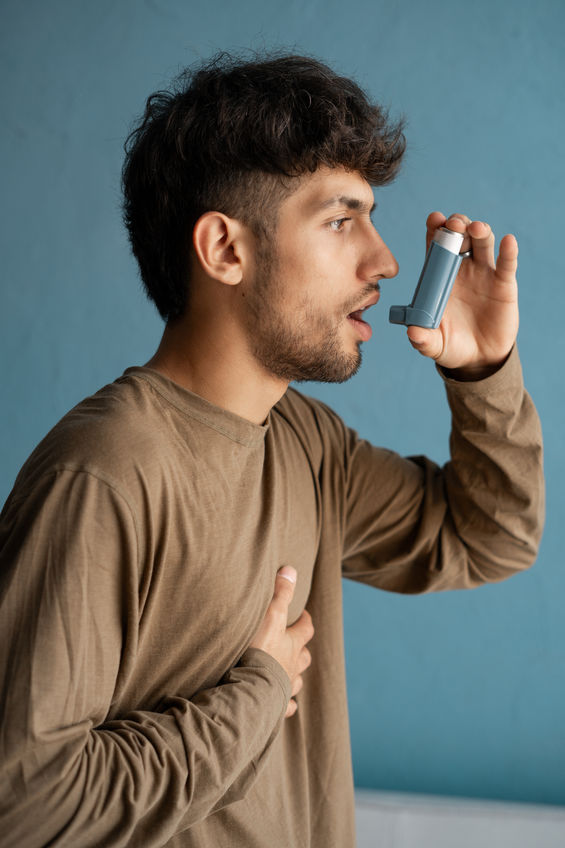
(256, 658)
(508, 375)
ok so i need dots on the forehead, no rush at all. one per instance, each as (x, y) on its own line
(328, 189)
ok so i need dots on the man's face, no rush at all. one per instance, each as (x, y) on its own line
(322, 267)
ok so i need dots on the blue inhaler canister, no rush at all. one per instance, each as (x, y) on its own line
(436, 281)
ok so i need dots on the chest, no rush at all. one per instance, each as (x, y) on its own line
(220, 532)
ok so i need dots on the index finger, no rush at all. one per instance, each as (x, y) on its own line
(304, 626)
(433, 222)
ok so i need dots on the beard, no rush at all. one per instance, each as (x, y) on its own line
(302, 347)
(303, 350)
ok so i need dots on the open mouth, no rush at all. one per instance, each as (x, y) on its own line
(357, 320)
(357, 316)
(363, 329)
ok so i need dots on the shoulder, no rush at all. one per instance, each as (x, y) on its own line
(103, 436)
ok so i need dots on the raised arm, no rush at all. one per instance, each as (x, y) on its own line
(415, 527)
(412, 526)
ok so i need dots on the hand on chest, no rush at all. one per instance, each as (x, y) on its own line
(214, 570)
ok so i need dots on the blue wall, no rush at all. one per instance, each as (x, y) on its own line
(460, 693)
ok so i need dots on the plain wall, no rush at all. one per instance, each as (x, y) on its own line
(459, 693)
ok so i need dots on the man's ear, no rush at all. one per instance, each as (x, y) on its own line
(221, 245)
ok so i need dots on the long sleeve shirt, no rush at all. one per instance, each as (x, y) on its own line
(138, 554)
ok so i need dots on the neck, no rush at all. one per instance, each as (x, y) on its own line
(217, 366)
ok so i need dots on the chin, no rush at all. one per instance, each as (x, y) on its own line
(331, 370)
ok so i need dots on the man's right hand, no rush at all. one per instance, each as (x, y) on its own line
(286, 644)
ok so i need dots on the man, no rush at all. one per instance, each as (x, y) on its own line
(156, 691)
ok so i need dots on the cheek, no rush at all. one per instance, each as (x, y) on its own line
(314, 273)
(304, 278)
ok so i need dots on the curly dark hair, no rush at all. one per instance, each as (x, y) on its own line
(229, 137)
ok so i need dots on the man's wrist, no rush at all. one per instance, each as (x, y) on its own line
(474, 373)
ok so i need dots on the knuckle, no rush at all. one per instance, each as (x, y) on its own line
(306, 658)
(291, 709)
(308, 633)
(298, 684)
(271, 613)
(306, 621)
(274, 617)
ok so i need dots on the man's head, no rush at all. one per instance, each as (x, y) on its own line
(304, 295)
(235, 137)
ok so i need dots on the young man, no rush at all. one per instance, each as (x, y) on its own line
(155, 690)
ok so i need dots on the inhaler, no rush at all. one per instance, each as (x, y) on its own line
(436, 281)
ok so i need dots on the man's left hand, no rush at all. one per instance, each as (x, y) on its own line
(480, 323)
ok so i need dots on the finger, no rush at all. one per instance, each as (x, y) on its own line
(456, 222)
(291, 709)
(433, 221)
(482, 243)
(287, 572)
(303, 628)
(459, 224)
(427, 342)
(297, 685)
(507, 261)
(304, 660)
(285, 583)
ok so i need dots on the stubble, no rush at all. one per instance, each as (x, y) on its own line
(303, 346)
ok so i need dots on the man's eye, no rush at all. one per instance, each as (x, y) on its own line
(338, 224)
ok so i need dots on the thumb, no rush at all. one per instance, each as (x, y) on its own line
(427, 342)
(285, 583)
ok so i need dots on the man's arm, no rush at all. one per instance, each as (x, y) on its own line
(68, 627)
(413, 527)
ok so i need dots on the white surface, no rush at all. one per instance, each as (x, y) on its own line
(389, 820)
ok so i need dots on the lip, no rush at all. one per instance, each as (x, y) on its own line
(356, 320)
(368, 303)
(372, 301)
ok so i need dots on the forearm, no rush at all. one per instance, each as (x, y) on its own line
(413, 527)
(142, 779)
(68, 636)
(494, 481)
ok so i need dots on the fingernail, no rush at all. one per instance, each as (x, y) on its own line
(288, 572)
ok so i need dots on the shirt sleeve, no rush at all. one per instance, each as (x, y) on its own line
(67, 775)
(411, 526)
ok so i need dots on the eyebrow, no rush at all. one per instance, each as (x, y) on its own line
(350, 202)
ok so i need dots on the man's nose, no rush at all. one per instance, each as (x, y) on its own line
(380, 261)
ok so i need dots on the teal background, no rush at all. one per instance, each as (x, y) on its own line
(459, 693)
